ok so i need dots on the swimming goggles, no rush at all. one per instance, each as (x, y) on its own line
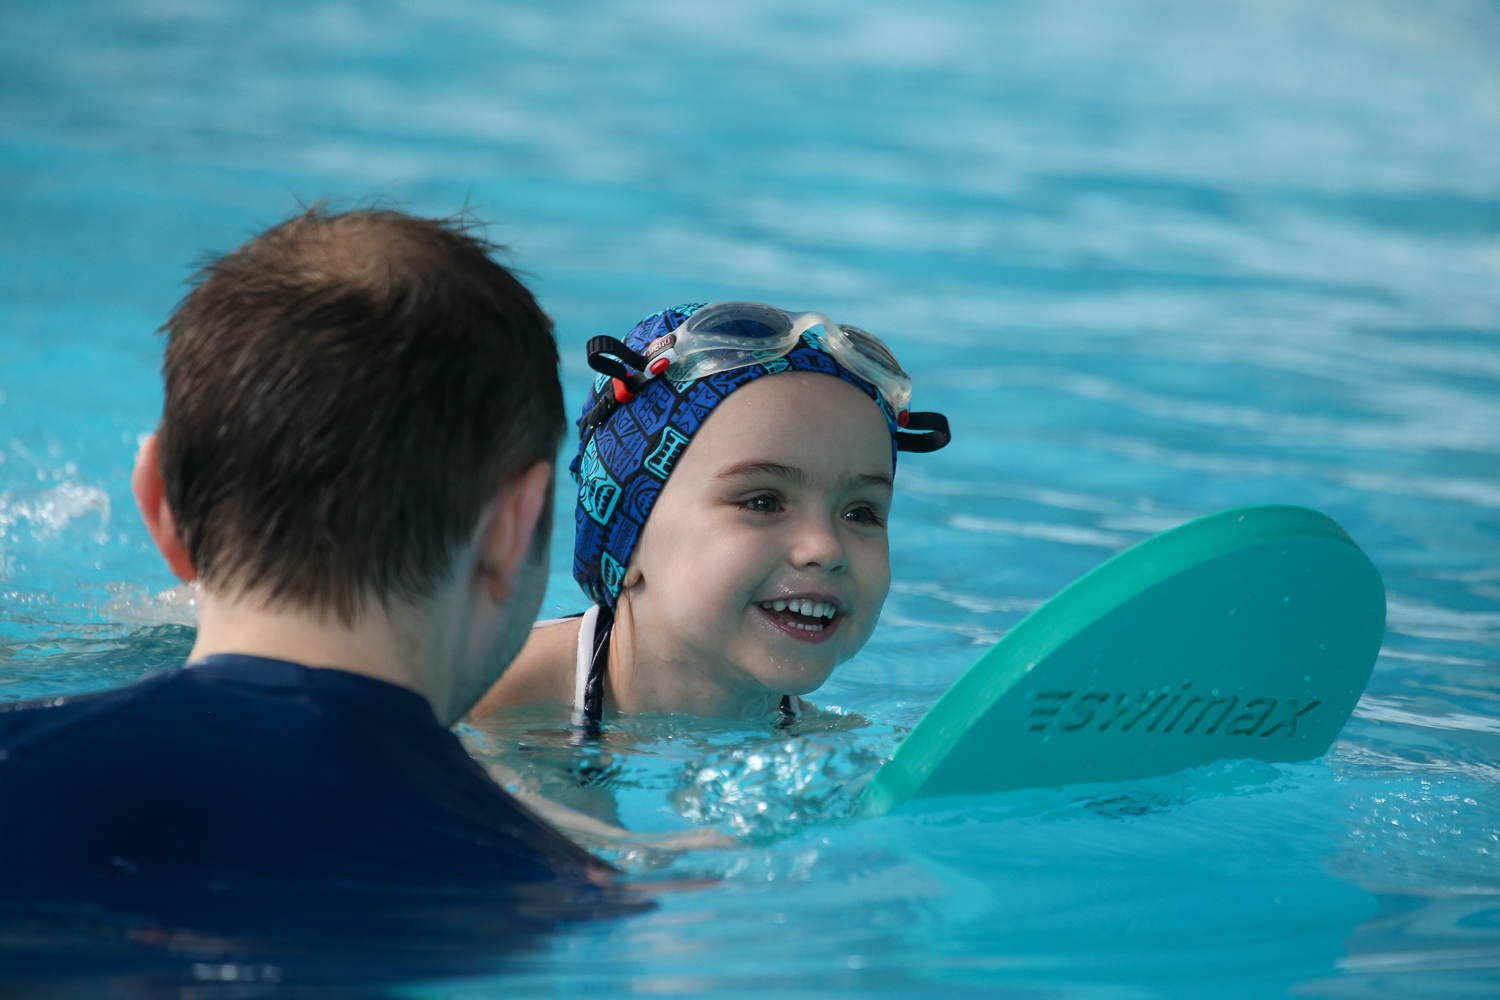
(723, 336)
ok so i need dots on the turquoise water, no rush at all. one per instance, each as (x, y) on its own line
(1154, 259)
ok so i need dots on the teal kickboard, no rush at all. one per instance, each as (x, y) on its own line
(1249, 633)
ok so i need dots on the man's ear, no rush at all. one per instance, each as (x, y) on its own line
(151, 498)
(506, 538)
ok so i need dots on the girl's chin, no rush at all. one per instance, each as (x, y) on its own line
(796, 679)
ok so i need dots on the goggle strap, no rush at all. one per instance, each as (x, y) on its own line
(923, 432)
(807, 321)
(611, 357)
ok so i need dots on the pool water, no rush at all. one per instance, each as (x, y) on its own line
(1154, 259)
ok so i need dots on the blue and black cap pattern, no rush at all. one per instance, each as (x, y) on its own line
(624, 459)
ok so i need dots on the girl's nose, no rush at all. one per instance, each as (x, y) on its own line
(818, 545)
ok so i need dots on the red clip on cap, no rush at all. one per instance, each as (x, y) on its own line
(622, 394)
(902, 418)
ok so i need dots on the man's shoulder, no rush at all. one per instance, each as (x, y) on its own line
(269, 767)
(94, 696)
(37, 718)
(257, 719)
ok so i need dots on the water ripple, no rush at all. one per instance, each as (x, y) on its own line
(1401, 712)
(1422, 619)
(1065, 533)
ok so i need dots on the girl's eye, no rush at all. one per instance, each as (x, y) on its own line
(762, 503)
(864, 514)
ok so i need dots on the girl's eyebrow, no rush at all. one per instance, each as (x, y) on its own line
(793, 474)
(776, 469)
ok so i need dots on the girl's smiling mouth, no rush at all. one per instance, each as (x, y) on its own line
(803, 618)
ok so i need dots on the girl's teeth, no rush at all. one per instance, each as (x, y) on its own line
(802, 606)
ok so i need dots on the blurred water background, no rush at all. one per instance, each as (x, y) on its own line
(1153, 258)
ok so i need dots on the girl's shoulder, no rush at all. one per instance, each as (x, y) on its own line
(541, 672)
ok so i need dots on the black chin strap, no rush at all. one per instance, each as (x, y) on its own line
(786, 713)
(593, 687)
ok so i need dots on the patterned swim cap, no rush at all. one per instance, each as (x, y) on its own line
(623, 462)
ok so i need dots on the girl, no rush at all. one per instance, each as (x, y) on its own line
(731, 527)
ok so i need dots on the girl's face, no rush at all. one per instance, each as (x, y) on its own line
(765, 561)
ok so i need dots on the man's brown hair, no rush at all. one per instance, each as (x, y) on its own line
(344, 394)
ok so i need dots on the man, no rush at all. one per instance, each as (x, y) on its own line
(355, 461)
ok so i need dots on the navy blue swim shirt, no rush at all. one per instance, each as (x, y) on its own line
(240, 768)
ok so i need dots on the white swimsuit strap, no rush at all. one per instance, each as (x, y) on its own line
(585, 658)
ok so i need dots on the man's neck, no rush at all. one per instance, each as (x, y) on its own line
(375, 645)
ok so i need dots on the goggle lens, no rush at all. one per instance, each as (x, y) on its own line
(872, 361)
(728, 335)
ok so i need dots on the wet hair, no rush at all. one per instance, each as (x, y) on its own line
(344, 394)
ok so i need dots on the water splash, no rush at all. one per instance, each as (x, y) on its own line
(45, 514)
(771, 789)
